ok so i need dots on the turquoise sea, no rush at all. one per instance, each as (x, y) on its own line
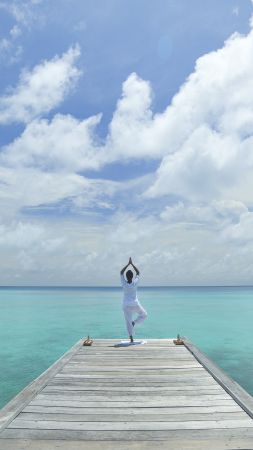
(37, 325)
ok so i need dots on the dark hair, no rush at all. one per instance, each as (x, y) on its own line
(129, 275)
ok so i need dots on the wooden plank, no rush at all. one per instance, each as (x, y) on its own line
(131, 348)
(130, 372)
(123, 345)
(234, 389)
(127, 346)
(107, 366)
(130, 356)
(134, 361)
(135, 411)
(134, 382)
(163, 379)
(131, 417)
(90, 387)
(112, 392)
(115, 395)
(149, 378)
(109, 342)
(167, 402)
(131, 426)
(9, 411)
(153, 435)
(136, 353)
(149, 358)
(219, 443)
(138, 350)
(96, 397)
(137, 362)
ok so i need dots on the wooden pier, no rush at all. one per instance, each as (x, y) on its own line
(136, 397)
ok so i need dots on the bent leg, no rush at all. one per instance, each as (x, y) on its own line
(142, 314)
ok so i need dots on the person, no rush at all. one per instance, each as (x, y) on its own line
(131, 304)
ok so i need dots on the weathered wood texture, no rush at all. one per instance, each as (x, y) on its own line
(108, 396)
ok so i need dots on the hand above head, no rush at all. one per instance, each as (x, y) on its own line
(135, 268)
(124, 268)
(130, 262)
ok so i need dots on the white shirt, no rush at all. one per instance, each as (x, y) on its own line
(130, 290)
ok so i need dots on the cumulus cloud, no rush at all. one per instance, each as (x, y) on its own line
(216, 215)
(32, 187)
(203, 137)
(135, 131)
(241, 232)
(62, 143)
(41, 89)
(128, 130)
(189, 222)
(25, 188)
(210, 128)
(22, 235)
(26, 247)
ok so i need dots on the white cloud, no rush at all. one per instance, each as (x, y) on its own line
(54, 191)
(23, 11)
(203, 136)
(209, 128)
(204, 140)
(25, 246)
(63, 251)
(216, 215)
(241, 232)
(129, 126)
(22, 235)
(41, 89)
(135, 131)
(10, 50)
(31, 187)
(64, 143)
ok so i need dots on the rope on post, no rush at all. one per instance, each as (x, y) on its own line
(88, 341)
(178, 341)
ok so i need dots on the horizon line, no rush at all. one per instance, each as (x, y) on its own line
(118, 286)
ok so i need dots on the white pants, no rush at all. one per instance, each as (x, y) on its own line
(131, 309)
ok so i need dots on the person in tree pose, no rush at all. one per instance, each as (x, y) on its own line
(131, 304)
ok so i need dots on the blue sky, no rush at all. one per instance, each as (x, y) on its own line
(125, 129)
(159, 40)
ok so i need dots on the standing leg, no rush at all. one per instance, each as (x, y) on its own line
(128, 317)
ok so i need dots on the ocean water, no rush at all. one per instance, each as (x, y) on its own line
(37, 325)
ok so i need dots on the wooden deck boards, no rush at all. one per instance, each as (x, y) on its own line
(109, 397)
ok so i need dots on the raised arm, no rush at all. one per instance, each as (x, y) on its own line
(124, 268)
(135, 268)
